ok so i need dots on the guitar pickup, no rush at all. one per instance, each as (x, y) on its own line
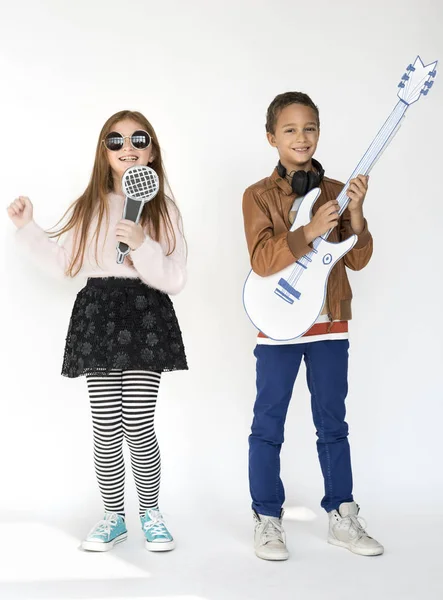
(286, 292)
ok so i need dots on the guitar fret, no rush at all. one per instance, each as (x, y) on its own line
(373, 153)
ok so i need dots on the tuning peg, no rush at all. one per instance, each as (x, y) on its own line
(401, 84)
(424, 92)
(405, 77)
(429, 84)
(432, 73)
(410, 68)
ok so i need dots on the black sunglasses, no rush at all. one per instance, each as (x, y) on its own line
(140, 140)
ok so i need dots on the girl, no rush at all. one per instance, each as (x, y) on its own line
(123, 331)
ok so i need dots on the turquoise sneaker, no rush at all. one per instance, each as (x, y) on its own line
(106, 533)
(158, 538)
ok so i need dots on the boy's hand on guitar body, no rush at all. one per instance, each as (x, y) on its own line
(325, 218)
(21, 211)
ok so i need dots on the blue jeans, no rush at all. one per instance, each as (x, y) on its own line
(327, 375)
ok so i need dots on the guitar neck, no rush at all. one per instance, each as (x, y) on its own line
(417, 81)
(372, 154)
(375, 150)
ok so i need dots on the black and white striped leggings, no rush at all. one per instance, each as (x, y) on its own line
(123, 406)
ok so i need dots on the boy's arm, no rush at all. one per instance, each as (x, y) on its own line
(361, 253)
(269, 253)
(353, 221)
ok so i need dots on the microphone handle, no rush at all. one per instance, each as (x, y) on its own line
(131, 211)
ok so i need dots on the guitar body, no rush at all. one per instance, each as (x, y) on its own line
(283, 310)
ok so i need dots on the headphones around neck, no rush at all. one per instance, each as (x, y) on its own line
(304, 181)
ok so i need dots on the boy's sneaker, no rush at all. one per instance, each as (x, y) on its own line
(269, 538)
(158, 538)
(347, 529)
(106, 533)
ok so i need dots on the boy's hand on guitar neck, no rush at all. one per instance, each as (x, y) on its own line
(327, 216)
(356, 193)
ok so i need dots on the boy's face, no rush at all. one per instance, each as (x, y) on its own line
(296, 137)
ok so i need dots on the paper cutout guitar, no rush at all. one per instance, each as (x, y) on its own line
(285, 305)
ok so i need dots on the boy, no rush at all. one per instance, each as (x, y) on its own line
(269, 209)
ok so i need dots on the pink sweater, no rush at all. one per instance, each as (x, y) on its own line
(149, 262)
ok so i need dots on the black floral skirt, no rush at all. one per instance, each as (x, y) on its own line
(122, 323)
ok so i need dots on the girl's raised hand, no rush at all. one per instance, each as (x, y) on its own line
(21, 211)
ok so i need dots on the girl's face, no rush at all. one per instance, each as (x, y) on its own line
(128, 156)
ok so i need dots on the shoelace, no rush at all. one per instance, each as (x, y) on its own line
(104, 526)
(272, 531)
(357, 526)
(156, 525)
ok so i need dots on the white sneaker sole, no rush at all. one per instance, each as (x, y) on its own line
(103, 546)
(159, 546)
(273, 556)
(361, 551)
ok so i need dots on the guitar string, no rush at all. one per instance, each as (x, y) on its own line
(362, 166)
(364, 163)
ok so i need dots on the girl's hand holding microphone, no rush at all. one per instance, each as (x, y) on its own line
(21, 211)
(130, 233)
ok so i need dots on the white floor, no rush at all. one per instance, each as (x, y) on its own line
(214, 561)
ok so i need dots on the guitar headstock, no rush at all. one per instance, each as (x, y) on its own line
(417, 81)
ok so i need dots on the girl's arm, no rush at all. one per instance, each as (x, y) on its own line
(50, 256)
(158, 269)
(47, 254)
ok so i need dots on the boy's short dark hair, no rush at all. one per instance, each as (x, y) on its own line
(282, 101)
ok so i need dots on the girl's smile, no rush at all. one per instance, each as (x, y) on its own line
(129, 158)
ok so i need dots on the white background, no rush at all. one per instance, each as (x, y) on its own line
(204, 73)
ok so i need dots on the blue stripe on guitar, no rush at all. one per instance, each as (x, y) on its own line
(290, 294)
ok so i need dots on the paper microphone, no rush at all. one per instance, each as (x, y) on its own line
(140, 185)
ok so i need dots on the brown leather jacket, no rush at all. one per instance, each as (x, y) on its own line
(272, 247)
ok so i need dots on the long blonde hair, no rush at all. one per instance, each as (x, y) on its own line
(155, 213)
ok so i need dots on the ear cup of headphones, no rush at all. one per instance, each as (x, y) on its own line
(313, 180)
(304, 181)
(301, 181)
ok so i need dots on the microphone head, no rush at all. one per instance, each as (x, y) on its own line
(140, 183)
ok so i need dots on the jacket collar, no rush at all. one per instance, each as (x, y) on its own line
(282, 183)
